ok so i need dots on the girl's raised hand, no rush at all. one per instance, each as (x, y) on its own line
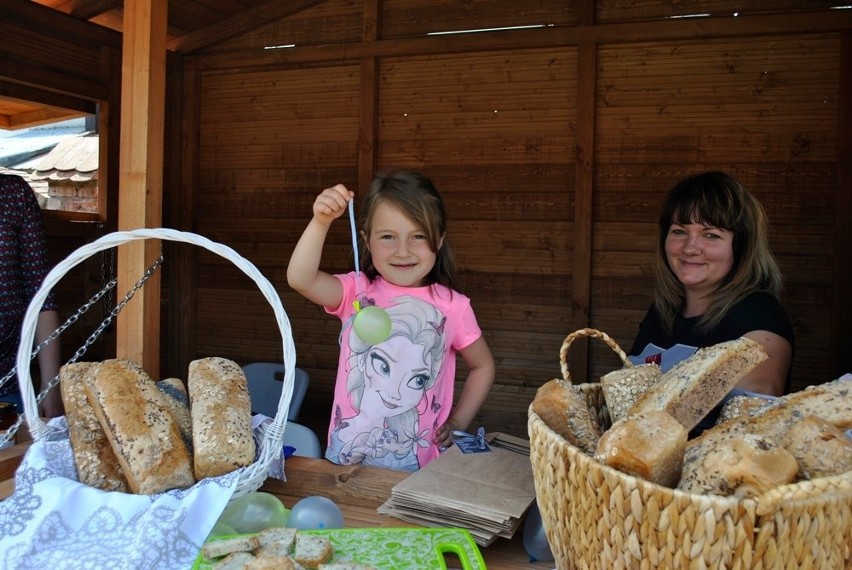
(331, 203)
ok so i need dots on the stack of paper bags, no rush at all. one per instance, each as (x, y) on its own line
(485, 493)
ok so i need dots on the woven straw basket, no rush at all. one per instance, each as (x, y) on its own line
(597, 517)
(253, 476)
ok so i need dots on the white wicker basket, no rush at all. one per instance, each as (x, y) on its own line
(252, 476)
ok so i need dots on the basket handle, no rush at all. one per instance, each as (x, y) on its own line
(592, 333)
(37, 427)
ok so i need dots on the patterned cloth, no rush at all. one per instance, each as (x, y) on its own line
(53, 521)
(23, 266)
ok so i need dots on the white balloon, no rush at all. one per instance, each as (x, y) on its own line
(315, 513)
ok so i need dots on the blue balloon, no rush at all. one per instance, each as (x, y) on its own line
(535, 540)
(315, 513)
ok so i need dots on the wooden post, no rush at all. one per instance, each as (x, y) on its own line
(141, 176)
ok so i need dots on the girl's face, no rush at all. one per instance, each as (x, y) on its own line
(392, 385)
(700, 256)
(399, 248)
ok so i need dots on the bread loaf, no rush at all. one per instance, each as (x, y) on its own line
(96, 462)
(820, 449)
(144, 436)
(220, 407)
(564, 409)
(176, 401)
(831, 402)
(649, 445)
(622, 387)
(744, 466)
(692, 387)
(740, 404)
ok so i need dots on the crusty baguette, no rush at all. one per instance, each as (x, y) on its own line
(221, 417)
(692, 387)
(820, 449)
(622, 387)
(144, 437)
(176, 401)
(649, 445)
(563, 408)
(97, 464)
(744, 466)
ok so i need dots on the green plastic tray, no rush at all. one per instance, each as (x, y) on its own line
(397, 548)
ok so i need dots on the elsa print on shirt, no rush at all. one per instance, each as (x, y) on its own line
(388, 384)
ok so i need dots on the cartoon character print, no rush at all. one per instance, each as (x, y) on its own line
(388, 385)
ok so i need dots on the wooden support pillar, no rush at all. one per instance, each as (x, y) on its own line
(583, 193)
(140, 196)
(368, 129)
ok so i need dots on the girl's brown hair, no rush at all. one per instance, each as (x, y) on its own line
(716, 199)
(415, 195)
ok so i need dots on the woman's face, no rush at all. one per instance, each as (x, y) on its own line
(700, 256)
(400, 250)
(394, 385)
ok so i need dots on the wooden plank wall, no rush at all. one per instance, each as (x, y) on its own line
(494, 119)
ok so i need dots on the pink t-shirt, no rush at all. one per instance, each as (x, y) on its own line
(390, 397)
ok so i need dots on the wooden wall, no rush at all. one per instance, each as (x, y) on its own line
(552, 147)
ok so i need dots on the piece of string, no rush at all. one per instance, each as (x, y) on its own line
(358, 286)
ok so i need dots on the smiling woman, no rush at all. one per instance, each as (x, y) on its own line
(716, 280)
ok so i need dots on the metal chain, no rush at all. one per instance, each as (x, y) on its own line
(94, 336)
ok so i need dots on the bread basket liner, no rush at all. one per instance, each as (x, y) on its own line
(598, 517)
(54, 521)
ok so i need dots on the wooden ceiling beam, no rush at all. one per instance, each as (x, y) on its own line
(656, 31)
(88, 9)
(242, 22)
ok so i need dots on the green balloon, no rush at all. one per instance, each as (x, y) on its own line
(254, 512)
(372, 324)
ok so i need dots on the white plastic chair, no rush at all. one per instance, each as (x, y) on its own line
(265, 380)
(303, 440)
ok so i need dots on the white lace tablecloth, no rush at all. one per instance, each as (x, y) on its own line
(53, 522)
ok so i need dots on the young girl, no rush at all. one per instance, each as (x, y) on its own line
(393, 400)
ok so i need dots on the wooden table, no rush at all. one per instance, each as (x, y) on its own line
(357, 490)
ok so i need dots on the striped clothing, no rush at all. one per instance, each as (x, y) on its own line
(23, 266)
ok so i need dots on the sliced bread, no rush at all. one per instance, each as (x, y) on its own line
(312, 550)
(692, 387)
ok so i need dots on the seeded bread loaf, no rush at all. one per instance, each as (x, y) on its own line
(745, 466)
(96, 462)
(176, 401)
(221, 417)
(820, 449)
(622, 387)
(649, 445)
(740, 404)
(692, 387)
(144, 436)
(564, 409)
(831, 402)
